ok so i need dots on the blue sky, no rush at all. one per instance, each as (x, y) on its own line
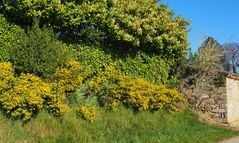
(216, 18)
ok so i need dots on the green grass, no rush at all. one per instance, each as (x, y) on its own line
(122, 126)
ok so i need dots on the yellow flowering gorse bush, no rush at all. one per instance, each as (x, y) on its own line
(6, 76)
(68, 77)
(140, 94)
(87, 112)
(24, 96)
(96, 83)
(114, 89)
(28, 96)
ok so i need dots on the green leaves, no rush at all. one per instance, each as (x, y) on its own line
(145, 24)
(131, 23)
(39, 52)
(9, 33)
(117, 25)
(96, 59)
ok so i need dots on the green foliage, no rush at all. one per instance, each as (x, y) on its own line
(141, 38)
(73, 18)
(130, 23)
(142, 65)
(9, 33)
(96, 59)
(39, 53)
(146, 24)
(93, 58)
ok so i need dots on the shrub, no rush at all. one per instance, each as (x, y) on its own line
(87, 112)
(9, 33)
(95, 84)
(68, 78)
(54, 102)
(6, 76)
(24, 96)
(93, 58)
(39, 53)
(140, 95)
(135, 23)
(114, 89)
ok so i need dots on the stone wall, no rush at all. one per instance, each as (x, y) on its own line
(214, 103)
(207, 97)
(220, 102)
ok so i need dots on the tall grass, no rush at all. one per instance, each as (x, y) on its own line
(122, 126)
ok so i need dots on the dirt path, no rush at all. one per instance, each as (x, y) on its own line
(231, 140)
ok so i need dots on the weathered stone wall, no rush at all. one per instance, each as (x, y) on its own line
(213, 102)
(208, 98)
(232, 101)
(219, 101)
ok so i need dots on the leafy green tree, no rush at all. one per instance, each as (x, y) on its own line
(202, 67)
(75, 19)
(130, 23)
(146, 24)
(210, 55)
(9, 33)
(39, 53)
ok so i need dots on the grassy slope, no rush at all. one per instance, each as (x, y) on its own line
(123, 126)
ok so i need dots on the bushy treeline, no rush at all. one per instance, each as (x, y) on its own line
(131, 30)
(127, 50)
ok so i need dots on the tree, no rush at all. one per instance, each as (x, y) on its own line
(232, 56)
(39, 53)
(210, 55)
(76, 19)
(9, 33)
(130, 27)
(132, 23)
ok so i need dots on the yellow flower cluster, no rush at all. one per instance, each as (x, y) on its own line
(141, 95)
(24, 96)
(87, 112)
(69, 78)
(6, 76)
(138, 94)
(96, 83)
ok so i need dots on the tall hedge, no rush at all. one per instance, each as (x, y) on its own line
(153, 38)
(9, 33)
(131, 23)
(96, 59)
